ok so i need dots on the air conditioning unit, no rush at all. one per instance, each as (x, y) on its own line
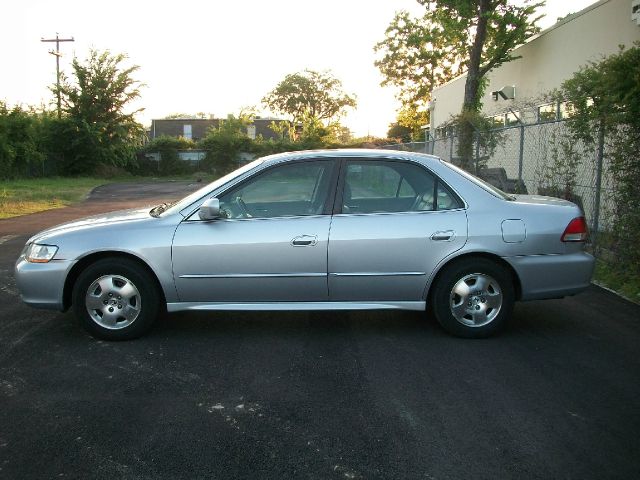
(635, 11)
(506, 93)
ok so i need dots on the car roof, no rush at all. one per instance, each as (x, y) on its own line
(367, 153)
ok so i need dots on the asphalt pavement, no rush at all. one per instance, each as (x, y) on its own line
(322, 395)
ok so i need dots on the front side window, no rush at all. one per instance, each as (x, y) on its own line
(386, 187)
(288, 190)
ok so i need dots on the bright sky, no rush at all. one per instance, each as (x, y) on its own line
(212, 56)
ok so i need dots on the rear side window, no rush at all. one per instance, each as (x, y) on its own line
(385, 187)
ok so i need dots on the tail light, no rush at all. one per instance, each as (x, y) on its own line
(576, 231)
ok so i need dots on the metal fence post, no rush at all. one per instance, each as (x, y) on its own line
(521, 156)
(596, 207)
(451, 150)
(477, 134)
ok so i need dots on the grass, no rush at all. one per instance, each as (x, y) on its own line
(30, 195)
(626, 283)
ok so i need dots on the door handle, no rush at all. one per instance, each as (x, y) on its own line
(445, 236)
(305, 241)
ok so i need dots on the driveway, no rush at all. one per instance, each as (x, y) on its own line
(350, 395)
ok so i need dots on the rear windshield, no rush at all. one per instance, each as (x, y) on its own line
(496, 192)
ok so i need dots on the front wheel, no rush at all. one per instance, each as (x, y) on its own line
(473, 298)
(115, 299)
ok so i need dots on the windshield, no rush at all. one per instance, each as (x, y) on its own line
(198, 194)
(496, 192)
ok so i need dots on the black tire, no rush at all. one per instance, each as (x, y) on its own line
(133, 299)
(481, 312)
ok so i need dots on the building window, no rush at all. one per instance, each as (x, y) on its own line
(547, 113)
(511, 119)
(567, 110)
(251, 132)
(496, 121)
(187, 132)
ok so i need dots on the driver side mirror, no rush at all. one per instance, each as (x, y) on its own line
(210, 209)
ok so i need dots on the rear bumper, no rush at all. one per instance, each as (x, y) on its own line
(553, 276)
(41, 285)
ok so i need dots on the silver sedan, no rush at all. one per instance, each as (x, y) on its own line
(318, 230)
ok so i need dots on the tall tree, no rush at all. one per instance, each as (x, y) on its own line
(309, 94)
(417, 55)
(97, 102)
(454, 36)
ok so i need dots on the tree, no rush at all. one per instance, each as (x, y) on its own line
(453, 36)
(414, 118)
(225, 143)
(399, 132)
(309, 94)
(418, 54)
(606, 100)
(21, 150)
(188, 116)
(96, 103)
(168, 147)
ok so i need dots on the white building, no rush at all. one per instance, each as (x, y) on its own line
(547, 59)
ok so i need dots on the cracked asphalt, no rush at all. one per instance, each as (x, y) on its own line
(348, 395)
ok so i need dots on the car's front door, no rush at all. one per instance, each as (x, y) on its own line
(270, 244)
(396, 222)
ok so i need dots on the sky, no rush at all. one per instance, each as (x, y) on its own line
(213, 56)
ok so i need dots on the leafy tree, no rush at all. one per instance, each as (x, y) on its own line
(418, 54)
(173, 116)
(309, 94)
(606, 101)
(414, 118)
(22, 134)
(168, 148)
(399, 132)
(451, 37)
(96, 103)
(224, 144)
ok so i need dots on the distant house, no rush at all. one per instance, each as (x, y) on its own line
(197, 128)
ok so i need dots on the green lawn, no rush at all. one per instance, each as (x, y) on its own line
(23, 196)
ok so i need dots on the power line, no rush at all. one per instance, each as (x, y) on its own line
(56, 53)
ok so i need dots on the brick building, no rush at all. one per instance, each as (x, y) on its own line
(197, 128)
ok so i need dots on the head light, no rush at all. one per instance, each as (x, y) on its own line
(36, 253)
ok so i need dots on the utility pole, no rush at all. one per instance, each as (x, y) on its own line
(56, 53)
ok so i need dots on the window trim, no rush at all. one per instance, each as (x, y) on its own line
(326, 210)
(330, 190)
(338, 203)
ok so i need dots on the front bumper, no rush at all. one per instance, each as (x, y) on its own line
(553, 276)
(41, 285)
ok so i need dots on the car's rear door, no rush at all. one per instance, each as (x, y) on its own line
(270, 247)
(394, 222)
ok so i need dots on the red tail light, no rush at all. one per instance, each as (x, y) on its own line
(576, 231)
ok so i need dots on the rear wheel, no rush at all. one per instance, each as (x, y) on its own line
(116, 299)
(473, 298)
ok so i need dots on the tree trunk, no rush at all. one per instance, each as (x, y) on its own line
(471, 88)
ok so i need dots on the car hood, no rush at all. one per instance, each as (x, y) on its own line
(110, 218)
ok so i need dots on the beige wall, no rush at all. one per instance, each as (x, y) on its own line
(548, 59)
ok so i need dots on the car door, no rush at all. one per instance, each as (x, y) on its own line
(270, 244)
(394, 222)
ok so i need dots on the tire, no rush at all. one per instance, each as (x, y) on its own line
(116, 299)
(473, 298)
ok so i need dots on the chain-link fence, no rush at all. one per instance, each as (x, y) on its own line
(539, 158)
